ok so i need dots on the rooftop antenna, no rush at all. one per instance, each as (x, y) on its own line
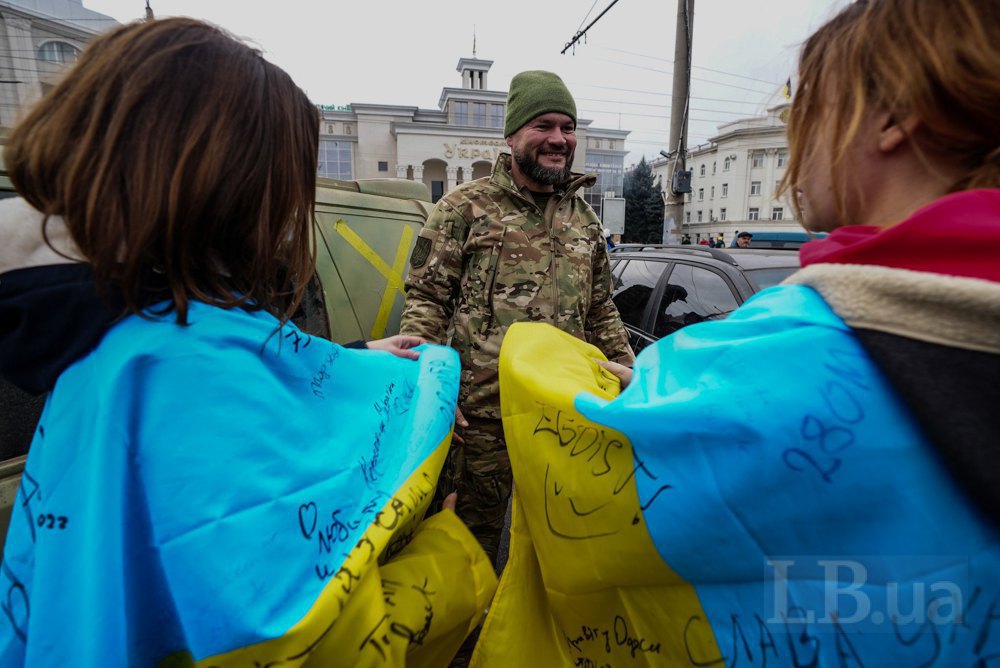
(473, 40)
(149, 12)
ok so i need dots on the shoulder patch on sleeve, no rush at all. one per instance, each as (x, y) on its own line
(421, 251)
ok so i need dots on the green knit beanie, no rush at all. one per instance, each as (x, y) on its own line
(535, 93)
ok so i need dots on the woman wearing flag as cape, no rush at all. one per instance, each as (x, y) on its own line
(814, 480)
(208, 484)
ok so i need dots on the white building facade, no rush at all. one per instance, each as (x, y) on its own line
(39, 40)
(734, 178)
(454, 143)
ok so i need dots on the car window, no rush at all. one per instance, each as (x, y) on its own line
(632, 289)
(765, 278)
(691, 295)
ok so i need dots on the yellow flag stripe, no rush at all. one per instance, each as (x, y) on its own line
(316, 637)
(389, 296)
(585, 584)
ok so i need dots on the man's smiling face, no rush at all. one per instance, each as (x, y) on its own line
(543, 150)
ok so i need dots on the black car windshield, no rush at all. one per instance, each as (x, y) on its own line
(765, 278)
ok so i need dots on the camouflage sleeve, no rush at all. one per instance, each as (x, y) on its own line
(435, 271)
(604, 326)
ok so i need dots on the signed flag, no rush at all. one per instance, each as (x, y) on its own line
(246, 497)
(757, 496)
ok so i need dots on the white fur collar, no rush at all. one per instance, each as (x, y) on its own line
(21, 242)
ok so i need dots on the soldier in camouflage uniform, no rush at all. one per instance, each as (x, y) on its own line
(520, 245)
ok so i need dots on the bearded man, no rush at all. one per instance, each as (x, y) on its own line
(519, 245)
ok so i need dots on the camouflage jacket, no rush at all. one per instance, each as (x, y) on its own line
(489, 257)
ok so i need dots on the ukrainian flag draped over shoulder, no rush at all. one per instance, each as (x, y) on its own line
(757, 496)
(221, 494)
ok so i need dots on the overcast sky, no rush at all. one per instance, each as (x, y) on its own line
(403, 52)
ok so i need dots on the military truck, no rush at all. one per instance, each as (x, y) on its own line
(365, 231)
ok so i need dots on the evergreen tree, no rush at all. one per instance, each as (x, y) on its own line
(643, 206)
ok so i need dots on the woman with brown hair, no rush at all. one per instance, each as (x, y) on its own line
(208, 482)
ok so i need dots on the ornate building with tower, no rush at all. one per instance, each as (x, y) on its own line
(454, 143)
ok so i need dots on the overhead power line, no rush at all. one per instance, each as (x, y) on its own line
(697, 67)
(655, 69)
(587, 16)
(582, 33)
(661, 116)
(667, 106)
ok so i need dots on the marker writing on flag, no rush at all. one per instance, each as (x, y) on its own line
(612, 461)
(607, 639)
(758, 642)
(387, 630)
(830, 433)
(323, 373)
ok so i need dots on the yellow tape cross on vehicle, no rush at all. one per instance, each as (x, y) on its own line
(393, 275)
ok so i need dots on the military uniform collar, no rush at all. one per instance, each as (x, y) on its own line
(502, 177)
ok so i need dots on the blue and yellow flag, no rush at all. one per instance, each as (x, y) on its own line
(757, 496)
(227, 495)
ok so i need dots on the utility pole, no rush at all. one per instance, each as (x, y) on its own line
(680, 182)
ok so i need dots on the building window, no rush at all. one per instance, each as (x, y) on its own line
(725, 164)
(777, 213)
(611, 144)
(496, 115)
(383, 166)
(437, 190)
(711, 193)
(687, 216)
(725, 189)
(754, 214)
(348, 129)
(722, 214)
(782, 158)
(702, 172)
(479, 114)
(713, 168)
(461, 113)
(758, 159)
(60, 53)
(699, 216)
(597, 143)
(755, 187)
(335, 160)
(610, 178)
(701, 194)
(329, 128)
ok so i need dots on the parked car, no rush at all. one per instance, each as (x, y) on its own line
(659, 289)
